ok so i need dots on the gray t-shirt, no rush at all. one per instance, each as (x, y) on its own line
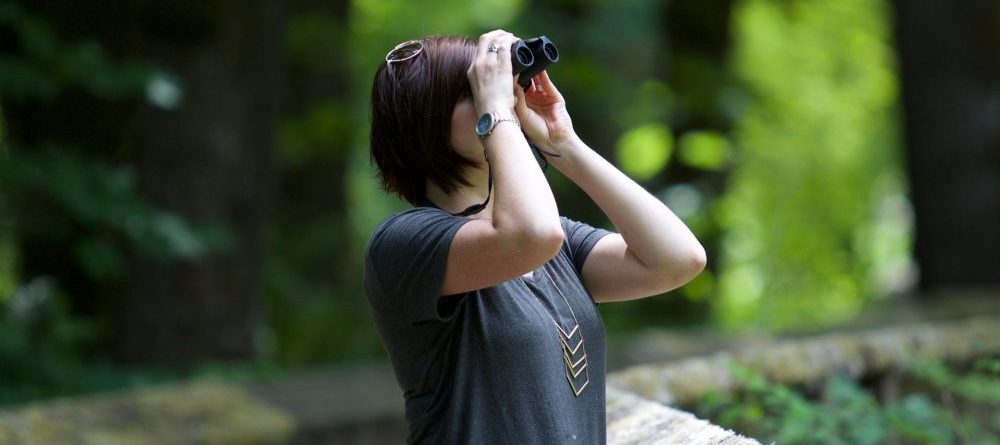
(486, 367)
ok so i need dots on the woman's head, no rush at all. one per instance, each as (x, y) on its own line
(411, 117)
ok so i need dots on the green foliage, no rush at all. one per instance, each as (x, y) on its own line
(44, 349)
(306, 313)
(40, 344)
(940, 407)
(706, 150)
(69, 201)
(315, 135)
(644, 151)
(66, 196)
(981, 385)
(812, 202)
(95, 211)
(316, 42)
(8, 271)
(48, 66)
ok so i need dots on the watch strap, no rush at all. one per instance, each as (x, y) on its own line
(496, 119)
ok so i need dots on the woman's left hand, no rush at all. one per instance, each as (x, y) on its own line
(543, 115)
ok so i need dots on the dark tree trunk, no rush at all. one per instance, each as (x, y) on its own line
(950, 59)
(697, 34)
(208, 159)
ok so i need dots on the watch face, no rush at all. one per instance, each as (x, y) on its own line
(484, 124)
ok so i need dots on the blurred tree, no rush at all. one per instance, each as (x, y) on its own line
(312, 265)
(207, 155)
(697, 33)
(55, 198)
(201, 143)
(950, 67)
(812, 217)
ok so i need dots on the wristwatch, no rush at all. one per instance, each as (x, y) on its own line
(489, 120)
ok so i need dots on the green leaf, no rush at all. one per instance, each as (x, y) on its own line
(101, 259)
(707, 150)
(645, 150)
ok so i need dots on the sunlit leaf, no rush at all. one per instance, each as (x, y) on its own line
(644, 151)
(706, 150)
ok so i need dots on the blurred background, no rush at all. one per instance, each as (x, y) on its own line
(185, 186)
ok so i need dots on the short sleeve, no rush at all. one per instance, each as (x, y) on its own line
(405, 263)
(580, 239)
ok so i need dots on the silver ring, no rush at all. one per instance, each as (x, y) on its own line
(493, 48)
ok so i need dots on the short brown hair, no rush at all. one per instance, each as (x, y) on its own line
(411, 110)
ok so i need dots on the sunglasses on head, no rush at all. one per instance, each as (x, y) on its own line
(403, 52)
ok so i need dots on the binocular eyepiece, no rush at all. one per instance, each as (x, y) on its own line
(532, 56)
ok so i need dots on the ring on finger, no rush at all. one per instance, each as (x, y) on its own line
(493, 48)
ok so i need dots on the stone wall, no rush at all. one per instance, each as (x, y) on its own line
(362, 405)
(343, 407)
(798, 361)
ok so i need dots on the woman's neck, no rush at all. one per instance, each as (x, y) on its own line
(464, 196)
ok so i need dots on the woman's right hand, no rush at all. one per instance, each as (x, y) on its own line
(490, 75)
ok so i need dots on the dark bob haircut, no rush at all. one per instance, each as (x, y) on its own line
(411, 109)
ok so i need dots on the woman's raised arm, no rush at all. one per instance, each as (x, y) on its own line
(523, 229)
(654, 251)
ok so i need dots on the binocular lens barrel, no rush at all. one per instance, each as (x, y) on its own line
(532, 56)
(521, 57)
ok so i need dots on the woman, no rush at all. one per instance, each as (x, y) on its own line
(484, 297)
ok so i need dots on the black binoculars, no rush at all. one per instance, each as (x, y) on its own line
(532, 56)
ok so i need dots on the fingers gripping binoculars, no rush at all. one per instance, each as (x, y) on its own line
(532, 56)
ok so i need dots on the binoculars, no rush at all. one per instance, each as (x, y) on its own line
(532, 56)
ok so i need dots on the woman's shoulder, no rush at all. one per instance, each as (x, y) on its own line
(403, 226)
(409, 218)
